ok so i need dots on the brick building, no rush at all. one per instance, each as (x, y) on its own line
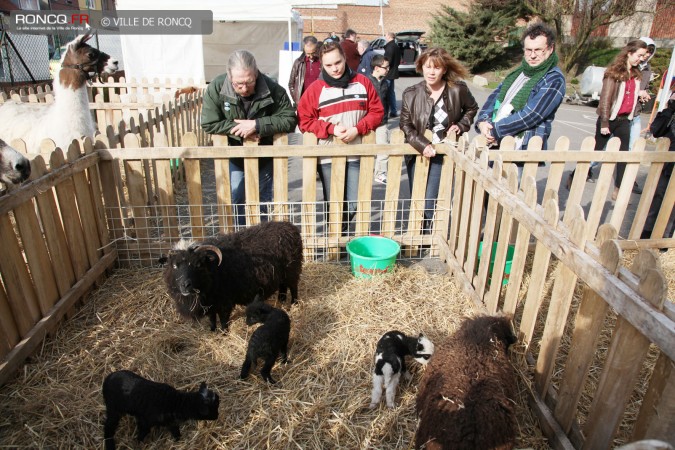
(364, 16)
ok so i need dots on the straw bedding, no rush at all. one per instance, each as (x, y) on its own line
(323, 392)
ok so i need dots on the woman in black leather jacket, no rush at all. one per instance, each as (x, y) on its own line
(441, 103)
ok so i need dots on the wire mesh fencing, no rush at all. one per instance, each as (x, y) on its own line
(141, 242)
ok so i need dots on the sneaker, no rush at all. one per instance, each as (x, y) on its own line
(381, 178)
(393, 114)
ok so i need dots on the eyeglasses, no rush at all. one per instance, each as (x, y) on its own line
(385, 67)
(535, 51)
(243, 84)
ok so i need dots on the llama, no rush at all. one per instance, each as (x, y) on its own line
(69, 116)
(14, 167)
(390, 354)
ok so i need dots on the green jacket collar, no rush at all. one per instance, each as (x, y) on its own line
(262, 90)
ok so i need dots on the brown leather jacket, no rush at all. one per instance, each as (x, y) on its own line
(296, 81)
(418, 105)
(610, 100)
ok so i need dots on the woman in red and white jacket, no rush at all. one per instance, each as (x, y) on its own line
(340, 105)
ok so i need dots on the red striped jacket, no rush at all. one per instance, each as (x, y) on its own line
(322, 107)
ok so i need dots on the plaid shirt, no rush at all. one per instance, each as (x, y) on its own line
(536, 117)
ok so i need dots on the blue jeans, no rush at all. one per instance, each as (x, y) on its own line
(433, 184)
(265, 180)
(351, 188)
(635, 128)
(391, 95)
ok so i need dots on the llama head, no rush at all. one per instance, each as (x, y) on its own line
(14, 167)
(423, 350)
(80, 59)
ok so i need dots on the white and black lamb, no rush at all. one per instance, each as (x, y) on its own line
(152, 404)
(392, 348)
(211, 277)
(268, 341)
(466, 396)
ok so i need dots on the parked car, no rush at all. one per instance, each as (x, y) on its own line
(411, 48)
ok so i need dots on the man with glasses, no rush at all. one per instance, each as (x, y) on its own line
(246, 104)
(379, 67)
(525, 103)
(305, 70)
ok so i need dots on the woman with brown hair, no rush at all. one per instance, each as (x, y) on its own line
(619, 94)
(441, 103)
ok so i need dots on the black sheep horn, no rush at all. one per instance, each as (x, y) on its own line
(214, 249)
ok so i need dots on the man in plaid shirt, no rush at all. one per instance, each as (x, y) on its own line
(525, 103)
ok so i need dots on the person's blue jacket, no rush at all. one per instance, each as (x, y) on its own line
(536, 118)
(364, 65)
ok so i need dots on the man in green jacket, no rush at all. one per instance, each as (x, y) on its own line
(246, 104)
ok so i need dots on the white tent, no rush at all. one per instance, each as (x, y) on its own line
(260, 26)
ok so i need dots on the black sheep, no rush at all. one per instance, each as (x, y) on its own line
(152, 404)
(211, 277)
(392, 348)
(268, 341)
(466, 397)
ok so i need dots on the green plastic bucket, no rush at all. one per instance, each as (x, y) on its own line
(507, 266)
(372, 255)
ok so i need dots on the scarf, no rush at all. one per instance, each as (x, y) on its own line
(534, 73)
(341, 82)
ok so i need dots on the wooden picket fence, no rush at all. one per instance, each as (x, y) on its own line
(66, 228)
(31, 94)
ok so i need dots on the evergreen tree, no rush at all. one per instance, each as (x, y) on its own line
(478, 37)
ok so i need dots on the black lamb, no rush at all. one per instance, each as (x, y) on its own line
(152, 404)
(268, 341)
(211, 277)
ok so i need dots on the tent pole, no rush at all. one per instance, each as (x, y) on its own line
(290, 35)
(665, 93)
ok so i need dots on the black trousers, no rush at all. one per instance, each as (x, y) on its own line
(619, 127)
(657, 201)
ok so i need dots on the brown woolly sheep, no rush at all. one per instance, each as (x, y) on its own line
(465, 398)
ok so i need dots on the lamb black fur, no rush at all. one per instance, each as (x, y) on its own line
(392, 348)
(466, 396)
(268, 341)
(257, 260)
(152, 404)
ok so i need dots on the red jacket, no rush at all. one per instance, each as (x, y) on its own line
(322, 107)
(351, 53)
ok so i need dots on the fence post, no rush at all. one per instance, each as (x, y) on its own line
(624, 359)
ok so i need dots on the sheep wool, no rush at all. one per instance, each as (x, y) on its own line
(466, 397)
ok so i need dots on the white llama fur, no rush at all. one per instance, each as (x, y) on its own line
(68, 118)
